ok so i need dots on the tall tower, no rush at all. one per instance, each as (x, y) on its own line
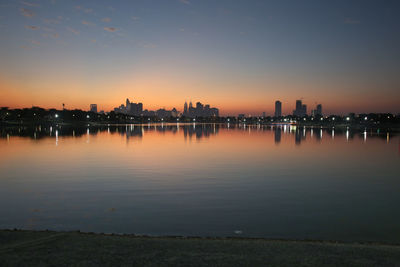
(299, 108)
(185, 108)
(278, 108)
(128, 105)
(319, 110)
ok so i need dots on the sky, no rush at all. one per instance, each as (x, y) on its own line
(238, 55)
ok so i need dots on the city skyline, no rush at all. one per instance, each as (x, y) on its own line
(238, 56)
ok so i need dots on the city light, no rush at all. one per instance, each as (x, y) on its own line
(56, 115)
(348, 118)
(366, 118)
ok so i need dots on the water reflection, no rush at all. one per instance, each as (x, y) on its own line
(195, 131)
(276, 181)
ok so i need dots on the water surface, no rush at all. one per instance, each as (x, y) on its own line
(203, 180)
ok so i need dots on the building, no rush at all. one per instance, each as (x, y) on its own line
(317, 111)
(93, 108)
(185, 108)
(278, 108)
(134, 109)
(301, 109)
(264, 114)
(200, 110)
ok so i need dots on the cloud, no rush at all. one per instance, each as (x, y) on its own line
(149, 45)
(106, 20)
(29, 27)
(181, 29)
(86, 10)
(87, 23)
(51, 21)
(35, 42)
(47, 29)
(73, 31)
(186, 2)
(27, 13)
(351, 21)
(56, 35)
(135, 18)
(29, 4)
(110, 29)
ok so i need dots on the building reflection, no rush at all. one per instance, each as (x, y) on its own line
(277, 134)
(196, 131)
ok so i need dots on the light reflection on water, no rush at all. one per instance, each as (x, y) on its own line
(203, 179)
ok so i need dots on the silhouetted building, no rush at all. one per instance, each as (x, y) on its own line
(278, 108)
(317, 111)
(185, 108)
(93, 108)
(301, 110)
(200, 110)
(163, 113)
(135, 109)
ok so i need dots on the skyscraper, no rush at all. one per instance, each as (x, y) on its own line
(304, 110)
(301, 110)
(278, 108)
(185, 109)
(319, 110)
(93, 108)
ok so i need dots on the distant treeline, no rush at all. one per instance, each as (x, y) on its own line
(37, 115)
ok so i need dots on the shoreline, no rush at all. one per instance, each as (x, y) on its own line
(221, 238)
(54, 248)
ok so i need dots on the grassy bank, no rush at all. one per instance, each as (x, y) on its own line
(36, 248)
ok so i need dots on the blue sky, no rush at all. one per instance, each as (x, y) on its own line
(239, 55)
